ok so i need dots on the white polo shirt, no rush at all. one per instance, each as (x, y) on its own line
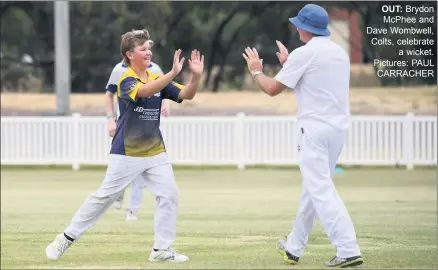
(319, 72)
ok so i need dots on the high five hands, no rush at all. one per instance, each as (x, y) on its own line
(282, 53)
(196, 63)
(256, 64)
(253, 60)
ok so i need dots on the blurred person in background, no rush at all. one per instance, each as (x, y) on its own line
(319, 72)
(138, 185)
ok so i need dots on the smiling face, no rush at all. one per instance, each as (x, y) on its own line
(135, 48)
(141, 56)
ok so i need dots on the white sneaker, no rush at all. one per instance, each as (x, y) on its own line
(117, 205)
(169, 255)
(130, 216)
(58, 247)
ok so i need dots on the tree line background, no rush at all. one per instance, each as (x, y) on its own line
(220, 30)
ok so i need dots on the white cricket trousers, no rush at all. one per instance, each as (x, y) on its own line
(136, 196)
(319, 148)
(137, 191)
(157, 172)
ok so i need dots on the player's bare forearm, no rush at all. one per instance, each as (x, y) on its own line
(110, 113)
(189, 91)
(270, 86)
(109, 103)
(155, 86)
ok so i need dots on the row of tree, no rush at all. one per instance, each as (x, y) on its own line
(221, 30)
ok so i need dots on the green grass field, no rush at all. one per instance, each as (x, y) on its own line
(228, 219)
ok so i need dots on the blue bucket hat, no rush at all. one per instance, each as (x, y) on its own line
(312, 18)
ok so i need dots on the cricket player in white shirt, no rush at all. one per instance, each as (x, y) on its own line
(138, 186)
(319, 72)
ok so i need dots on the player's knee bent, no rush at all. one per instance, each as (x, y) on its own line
(172, 196)
(96, 199)
(116, 196)
(319, 192)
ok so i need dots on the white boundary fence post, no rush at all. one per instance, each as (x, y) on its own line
(239, 140)
(408, 140)
(75, 162)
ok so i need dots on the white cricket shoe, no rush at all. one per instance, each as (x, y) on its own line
(58, 247)
(168, 255)
(117, 205)
(130, 216)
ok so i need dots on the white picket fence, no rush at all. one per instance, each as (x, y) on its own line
(237, 140)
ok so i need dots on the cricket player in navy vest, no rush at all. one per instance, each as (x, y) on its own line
(138, 185)
(319, 72)
(138, 148)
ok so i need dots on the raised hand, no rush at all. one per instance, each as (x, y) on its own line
(283, 53)
(177, 63)
(196, 63)
(252, 60)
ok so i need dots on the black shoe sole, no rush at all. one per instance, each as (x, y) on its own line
(353, 263)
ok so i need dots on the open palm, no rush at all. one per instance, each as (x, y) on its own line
(282, 53)
(177, 63)
(196, 63)
(253, 60)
